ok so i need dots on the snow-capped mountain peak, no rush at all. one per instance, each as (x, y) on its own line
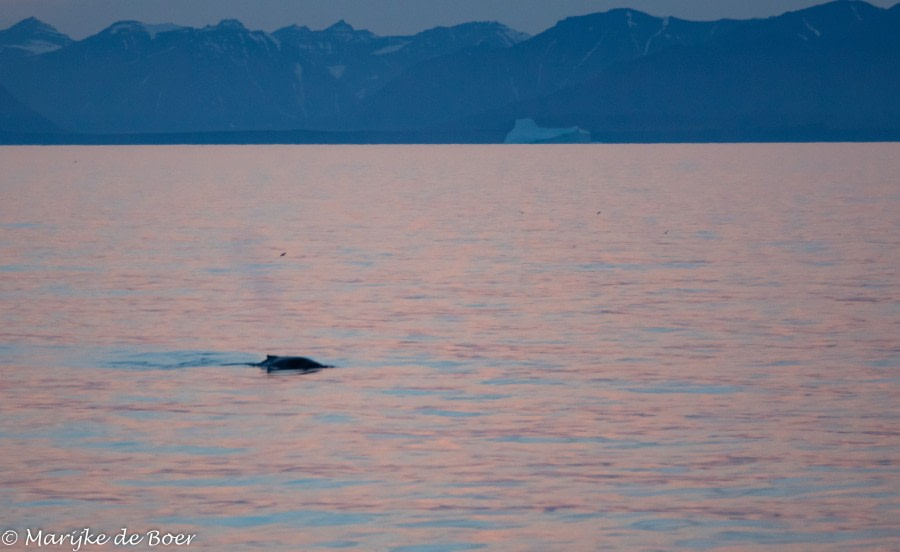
(31, 37)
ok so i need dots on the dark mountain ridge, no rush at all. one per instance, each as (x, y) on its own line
(627, 71)
(828, 72)
(130, 78)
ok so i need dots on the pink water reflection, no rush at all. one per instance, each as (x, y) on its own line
(710, 362)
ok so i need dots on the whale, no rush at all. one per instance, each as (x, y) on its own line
(274, 363)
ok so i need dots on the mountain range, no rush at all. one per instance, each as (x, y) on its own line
(829, 72)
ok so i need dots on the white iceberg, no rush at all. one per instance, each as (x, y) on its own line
(527, 131)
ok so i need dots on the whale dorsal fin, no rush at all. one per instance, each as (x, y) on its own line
(270, 357)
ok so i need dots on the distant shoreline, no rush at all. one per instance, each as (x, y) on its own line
(310, 137)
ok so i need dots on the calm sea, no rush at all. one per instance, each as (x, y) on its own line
(539, 348)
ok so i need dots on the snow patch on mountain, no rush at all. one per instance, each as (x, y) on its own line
(390, 49)
(811, 28)
(37, 47)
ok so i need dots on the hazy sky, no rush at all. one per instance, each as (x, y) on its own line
(79, 18)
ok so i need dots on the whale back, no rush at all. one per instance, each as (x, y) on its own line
(274, 363)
